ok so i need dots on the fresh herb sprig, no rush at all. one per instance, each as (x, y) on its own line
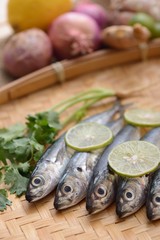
(22, 144)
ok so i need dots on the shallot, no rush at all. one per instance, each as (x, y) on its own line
(95, 11)
(74, 34)
(26, 52)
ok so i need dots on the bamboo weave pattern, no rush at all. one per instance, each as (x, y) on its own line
(139, 83)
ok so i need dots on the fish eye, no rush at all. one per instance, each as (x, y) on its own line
(100, 191)
(37, 181)
(79, 169)
(156, 199)
(129, 195)
(67, 189)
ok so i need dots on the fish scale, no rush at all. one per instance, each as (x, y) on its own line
(53, 162)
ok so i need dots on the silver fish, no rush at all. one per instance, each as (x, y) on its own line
(53, 162)
(102, 186)
(132, 192)
(153, 195)
(73, 185)
(131, 195)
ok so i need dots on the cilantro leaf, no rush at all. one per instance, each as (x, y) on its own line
(53, 120)
(43, 126)
(3, 200)
(2, 154)
(15, 131)
(44, 135)
(22, 150)
(23, 167)
(37, 149)
(6, 137)
(1, 176)
(18, 149)
(17, 182)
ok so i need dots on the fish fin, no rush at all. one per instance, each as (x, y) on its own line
(91, 161)
(62, 154)
(96, 177)
(145, 180)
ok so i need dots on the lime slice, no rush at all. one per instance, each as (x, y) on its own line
(134, 158)
(88, 136)
(141, 117)
(156, 30)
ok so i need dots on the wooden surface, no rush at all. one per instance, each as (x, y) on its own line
(11, 89)
(138, 83)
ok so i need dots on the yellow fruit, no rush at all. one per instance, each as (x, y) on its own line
(35, 13)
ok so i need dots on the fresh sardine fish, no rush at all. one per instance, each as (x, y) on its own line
(131, 195)
(102, 186)
(132, 192)
(53, 162)
(73, 185)
(153, 196)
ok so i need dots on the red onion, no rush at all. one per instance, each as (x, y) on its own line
(74, 34)
(26, 52)
(96, 11)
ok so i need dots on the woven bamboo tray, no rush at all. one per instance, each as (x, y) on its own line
(138, 83)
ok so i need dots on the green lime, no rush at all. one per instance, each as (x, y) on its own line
(88, 136)
(144, 19)
(156, 30)
(134, 158)
(141, 117)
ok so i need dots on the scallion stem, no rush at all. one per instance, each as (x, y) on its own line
(91, 94)
(82, 109)
(75, 97)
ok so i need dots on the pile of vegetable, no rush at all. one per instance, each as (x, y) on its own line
(75, 29)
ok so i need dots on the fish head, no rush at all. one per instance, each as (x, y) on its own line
(153, 204)
(69, 192)
(41, 183)
(131, 196)
(101, 192)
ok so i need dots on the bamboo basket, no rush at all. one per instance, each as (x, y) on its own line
(138, 83)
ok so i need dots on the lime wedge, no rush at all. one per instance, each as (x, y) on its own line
(141, 117)
(134, 158)
(88, 136)
(144, 19)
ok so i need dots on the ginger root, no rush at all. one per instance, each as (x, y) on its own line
(124, 37)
